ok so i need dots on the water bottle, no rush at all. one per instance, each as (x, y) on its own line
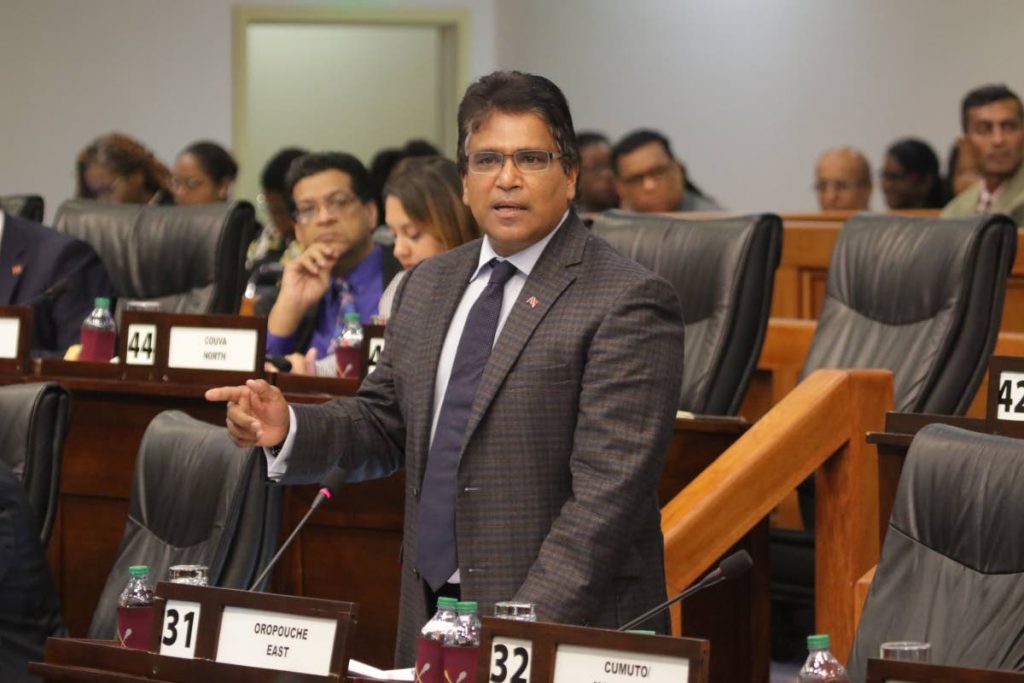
(135, 609)
(821, 665)
(349, 346)
(99, 333)
(429, 658)
(462, 644)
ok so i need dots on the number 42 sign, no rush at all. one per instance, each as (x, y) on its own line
(1010, 402)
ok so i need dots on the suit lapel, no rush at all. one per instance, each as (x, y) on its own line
(550, 277)
(435, 330)
(12, 247)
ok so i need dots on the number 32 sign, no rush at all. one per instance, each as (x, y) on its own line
(1010, 402)
(510, 660)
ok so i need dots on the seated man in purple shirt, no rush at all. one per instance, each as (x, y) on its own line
(335, 214)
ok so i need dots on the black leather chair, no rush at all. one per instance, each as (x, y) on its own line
(951, 571)
(196, 499)
(33, 424)
(922, 297)
(28, 206)
(190, 259)
(723, 271)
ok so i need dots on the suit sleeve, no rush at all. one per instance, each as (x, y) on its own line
(627, 405)
(364, 434)
(61, 318)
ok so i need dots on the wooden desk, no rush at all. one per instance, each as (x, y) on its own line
(349, 551)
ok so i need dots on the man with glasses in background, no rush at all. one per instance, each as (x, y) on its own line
(842, 180)
(341, 270)
(528, 386)
(650, 179)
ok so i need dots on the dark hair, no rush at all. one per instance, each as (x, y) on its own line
(419, 147)
(514, 92)
(645, 136)
(272, 178)
(917, 156)
(634, 141)
(430, 191)
(215, 161)
(318, 162)
(122, 155)
(987, 94)
(589, 137)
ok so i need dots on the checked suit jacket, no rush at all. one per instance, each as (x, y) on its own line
(557, 499)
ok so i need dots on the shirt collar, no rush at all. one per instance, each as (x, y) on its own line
(524, 260)
(362, 276)
(1, 227)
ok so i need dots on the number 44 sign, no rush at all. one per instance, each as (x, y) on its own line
(1010, 403)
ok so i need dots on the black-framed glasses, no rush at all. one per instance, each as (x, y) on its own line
(185, 182)
(488, 162)
(335, 205)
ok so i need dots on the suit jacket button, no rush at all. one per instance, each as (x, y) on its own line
(416, 572)
(416, 492)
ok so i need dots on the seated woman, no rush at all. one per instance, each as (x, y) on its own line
(423, 208)
(910, 176)
(203, 174)
(118, 169)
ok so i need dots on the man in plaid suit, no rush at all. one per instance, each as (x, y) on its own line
(535, 472)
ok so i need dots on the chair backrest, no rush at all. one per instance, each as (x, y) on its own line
(191, 259)
(951, 571)
(196, 499)
(922, 297)
(723, 271)
(33, 424)
(27, 206)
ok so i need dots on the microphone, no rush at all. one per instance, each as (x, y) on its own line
(50, 293)
(331, 484)
(735, 565)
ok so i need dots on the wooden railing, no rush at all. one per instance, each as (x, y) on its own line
(817, 428)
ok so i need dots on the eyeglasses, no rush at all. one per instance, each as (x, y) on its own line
(335, 205)
(837, 185)
(189, 183)
(657, 173)
(526, 160)
(108, 190)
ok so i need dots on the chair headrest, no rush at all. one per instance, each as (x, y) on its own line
(155, 251)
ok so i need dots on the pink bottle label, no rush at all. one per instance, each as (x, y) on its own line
(429, 661)
(97, 345)
(133, 626)
(460, 663)
(349, 360)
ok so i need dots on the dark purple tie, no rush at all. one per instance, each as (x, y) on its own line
(436, 554)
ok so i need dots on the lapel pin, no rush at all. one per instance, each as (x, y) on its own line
(532, 301)
(16, 269)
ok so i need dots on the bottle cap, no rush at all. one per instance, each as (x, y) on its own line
(102, 302)
(818, 642)
(138, 570)
(466, 606)
(352, 316)
(447, 603)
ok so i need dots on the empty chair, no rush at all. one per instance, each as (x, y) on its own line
(190, 259)
(33, 424)
(27, 206)
(196, 499)
(922, 297)
(951, 571)
(723, 271)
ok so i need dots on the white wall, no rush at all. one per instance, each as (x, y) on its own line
(750, 91)
(159, 70)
